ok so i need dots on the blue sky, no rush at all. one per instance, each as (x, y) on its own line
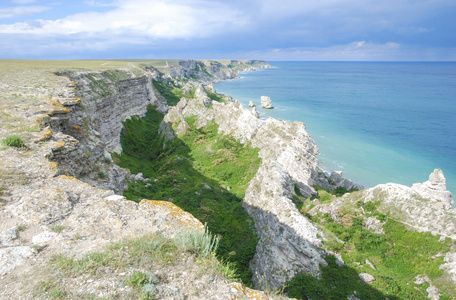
(344, 30)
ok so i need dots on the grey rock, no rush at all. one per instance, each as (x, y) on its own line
(370, 264)
(8, 236)
(12, 257)
(336, 180)
(374, 225)
(367, 278)
(43, 238)
(450, 265)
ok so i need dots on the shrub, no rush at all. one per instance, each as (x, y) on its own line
(202, 244)
(14, 141)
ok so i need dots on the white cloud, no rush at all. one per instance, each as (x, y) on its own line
(98, 3)
(23, 1)
(12, 12)
(179, 19)
(355, 51)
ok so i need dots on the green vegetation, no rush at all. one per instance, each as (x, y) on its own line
(337, 282)
(399, 255)
(215, 96)
(14, 141)
(203, 244)
(99, 86)
(194, 172)
(167, 92)
(57, 228)
(142, 258)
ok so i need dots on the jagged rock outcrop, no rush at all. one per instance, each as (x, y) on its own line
(251, 104)
(409, 205)
(336, 180)
(201, 95)
(255, 112)
(435, 189)
(266, 102)
(289, 243)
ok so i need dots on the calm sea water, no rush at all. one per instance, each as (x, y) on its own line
(377, 122)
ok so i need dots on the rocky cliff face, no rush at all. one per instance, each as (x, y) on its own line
(289, 243)
(90, 127)
(45, 212)
(209, 71)
(81, 126)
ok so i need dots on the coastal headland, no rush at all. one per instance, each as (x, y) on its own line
(136, 179)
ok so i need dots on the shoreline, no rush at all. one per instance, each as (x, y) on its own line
(403, 158)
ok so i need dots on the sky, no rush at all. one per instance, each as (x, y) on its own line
(290, 30)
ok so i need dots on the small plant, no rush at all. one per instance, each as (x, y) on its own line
(148, 291)
(102, 174)
(57, 228)
(13, 141)
(202, 244)
(138, 279)
(21, 227)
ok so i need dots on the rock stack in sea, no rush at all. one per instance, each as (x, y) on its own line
(266, 102)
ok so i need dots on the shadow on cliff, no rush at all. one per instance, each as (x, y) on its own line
(169, 174)
(336, 281)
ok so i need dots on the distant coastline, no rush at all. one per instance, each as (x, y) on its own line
(371, 153)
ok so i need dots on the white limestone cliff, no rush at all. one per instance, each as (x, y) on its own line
(289, 243)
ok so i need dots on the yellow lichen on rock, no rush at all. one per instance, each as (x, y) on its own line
(59, 145)
(42, 119)
(249, 293)
(46, 134)
(178, 214)
(66, 177)
(53, 166)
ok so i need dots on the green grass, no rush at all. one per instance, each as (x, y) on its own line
(399, 256)
(144, 255)
(13, 141)
(172, 98)
(182, 171)
(337, 282)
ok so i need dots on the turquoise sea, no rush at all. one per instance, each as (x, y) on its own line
(377, 122)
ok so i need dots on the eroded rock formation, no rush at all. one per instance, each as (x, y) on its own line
(289, 243)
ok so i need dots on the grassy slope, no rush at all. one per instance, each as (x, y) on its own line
(399, 256)
(183, 171)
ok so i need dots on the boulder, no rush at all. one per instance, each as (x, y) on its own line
(251, 104)
(367, 278)
(266, 102)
